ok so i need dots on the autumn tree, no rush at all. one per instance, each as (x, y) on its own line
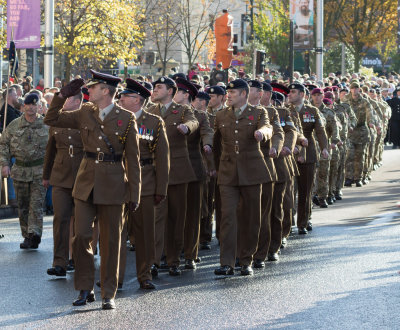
(98, 30)
(364, 23)
(272, 27)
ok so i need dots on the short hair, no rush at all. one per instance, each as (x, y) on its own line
(11, 89)
(112, 90)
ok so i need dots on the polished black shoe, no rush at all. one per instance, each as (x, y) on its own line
(35, 241)
(147, 285)
(190, 264)
(315, 200)
(302, 231)
(359, 183)
(237, 263)
(348, 182)
(132, 247)
(84, 297)
(322, 203)
(273, 257)
(224, 270)
(108, 303)
(174, 271)
(26, 244)
(205, 246)
(71, 265)
(338, 197)
(120, 285)
(154, 271)
(329, 200)
(197, 260)
(309, 226)
(258, 263)
(246, 270)
(333, 198)
(284, 242)
(56, 271)
(365, 181)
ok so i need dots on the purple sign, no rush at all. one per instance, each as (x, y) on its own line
(23, 23)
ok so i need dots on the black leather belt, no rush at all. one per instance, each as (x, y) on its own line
(32, 163)
(147, 161)
(102, 157)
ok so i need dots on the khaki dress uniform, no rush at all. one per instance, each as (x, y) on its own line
(26, 142)
(201, 137)
(64, 153)
(241, 172)
(268, 187)
(171, 213)
(289, 197)
(311, 122)
(104, 183)
(154, 162)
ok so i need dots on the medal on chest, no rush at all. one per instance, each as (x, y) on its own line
(145, 133)
(283, 123)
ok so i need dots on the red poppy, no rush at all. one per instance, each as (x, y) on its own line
(175, 112)
(250, 117)
(119, 123)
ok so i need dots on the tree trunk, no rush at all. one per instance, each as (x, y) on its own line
(357, 60)
(68, 68)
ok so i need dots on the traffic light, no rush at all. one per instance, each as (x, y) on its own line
(260, 61)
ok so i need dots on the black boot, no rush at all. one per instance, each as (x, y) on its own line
(348, 182)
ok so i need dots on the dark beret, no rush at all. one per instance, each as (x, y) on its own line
(238, 84)
(266, 87)
(216, 90)
(203, 96)
(255, 83)
(178, 75)
(299, 87)
(31, 98)
(166, 81)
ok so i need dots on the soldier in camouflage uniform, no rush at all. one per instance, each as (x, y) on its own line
(332, 131)
(25, 138)
(359, 137)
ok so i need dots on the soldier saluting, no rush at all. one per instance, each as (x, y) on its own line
(108, 177)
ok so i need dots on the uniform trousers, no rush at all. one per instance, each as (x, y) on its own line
(277, 217)
(341, 168)
(355, 160)
(192, 221)
(30, 201)
(142, 227)
(250, 222)
(110, 224)
(264, 237)
(63, 206)
(206, 223)
(288, 204)
(170, 224)
(305, 182)
(333, 172)
(322, 179)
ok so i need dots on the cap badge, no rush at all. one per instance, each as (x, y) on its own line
(231, 85)
(162, 79)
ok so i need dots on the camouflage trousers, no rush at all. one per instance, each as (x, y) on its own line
(378, 147)
(30, 199)
(323, 178)
(341, 168)
(333, 172)
(355, 160)
(369, 160)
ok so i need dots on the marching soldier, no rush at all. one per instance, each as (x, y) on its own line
(216, 103)
(25, 138)
(64, 153)
(311, 121)
(108, 177)
(241, 167)
(154, 162)
(171, 213)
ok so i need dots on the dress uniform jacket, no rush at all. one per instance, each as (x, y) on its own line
(110, 183)
(235, 134)
(181, 170)
(64, 154)
(200, 137)
(310, 118)
(155, 173)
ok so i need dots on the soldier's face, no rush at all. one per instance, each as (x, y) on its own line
(96, 93)
(236, 97)
(199, 104)
(181, 97)
(295, 96)
(255, 95)
(160, 92)
(355, 91)
(31, 109)
(128, 101)
(215, 101)
(317, 98)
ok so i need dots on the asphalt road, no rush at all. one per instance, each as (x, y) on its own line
(344, 275)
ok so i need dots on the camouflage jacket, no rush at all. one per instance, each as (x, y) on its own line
(27, 143)
(362, 109)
